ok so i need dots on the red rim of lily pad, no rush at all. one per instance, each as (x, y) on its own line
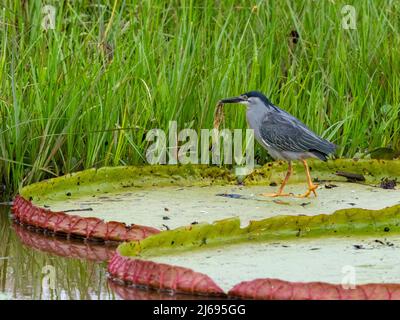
(165, 277)
(72, 225)
(162, 276)
(29, 213)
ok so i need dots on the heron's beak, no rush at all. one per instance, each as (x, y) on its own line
(233, 100)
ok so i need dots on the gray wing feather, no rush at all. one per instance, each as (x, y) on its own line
(283, 132)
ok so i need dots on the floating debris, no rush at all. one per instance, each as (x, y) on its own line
(351, 177)
(77, 210)
(384, 243)
(230, 195)
(330, 186)
(305, 204)
(387, 183)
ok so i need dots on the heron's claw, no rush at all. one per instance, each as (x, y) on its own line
(312, 189)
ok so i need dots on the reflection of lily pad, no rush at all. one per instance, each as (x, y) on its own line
(64, 248)
(136, 293)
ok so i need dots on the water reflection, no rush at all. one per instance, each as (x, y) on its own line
(36, 266)
(29, 273)
(132, 293)
(64, 248)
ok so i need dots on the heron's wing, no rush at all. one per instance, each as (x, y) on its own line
(283, 132)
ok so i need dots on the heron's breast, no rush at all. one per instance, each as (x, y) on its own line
(254, 120)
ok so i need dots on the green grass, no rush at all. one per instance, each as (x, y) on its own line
(66, 105)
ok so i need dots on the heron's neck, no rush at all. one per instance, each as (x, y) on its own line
(255, 114)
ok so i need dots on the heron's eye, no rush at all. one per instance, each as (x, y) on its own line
(245, 97)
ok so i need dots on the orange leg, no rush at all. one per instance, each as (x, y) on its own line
(280, 190)
(311, 186)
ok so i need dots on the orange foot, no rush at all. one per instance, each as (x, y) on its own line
(312, 189)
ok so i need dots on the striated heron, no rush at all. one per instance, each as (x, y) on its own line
(283, 136)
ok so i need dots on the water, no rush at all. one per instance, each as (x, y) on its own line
(36, 266)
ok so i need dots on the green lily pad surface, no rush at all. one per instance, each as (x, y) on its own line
(172, 207)
(370, 260)
(166, 197)
(356, 243)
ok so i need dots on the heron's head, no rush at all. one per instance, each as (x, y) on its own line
(250, 99)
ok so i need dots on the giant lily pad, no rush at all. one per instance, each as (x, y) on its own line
(214, 258)
(285, 238)
(165, 197)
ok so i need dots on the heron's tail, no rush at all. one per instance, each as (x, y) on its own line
(323, 154)
(320, 155)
